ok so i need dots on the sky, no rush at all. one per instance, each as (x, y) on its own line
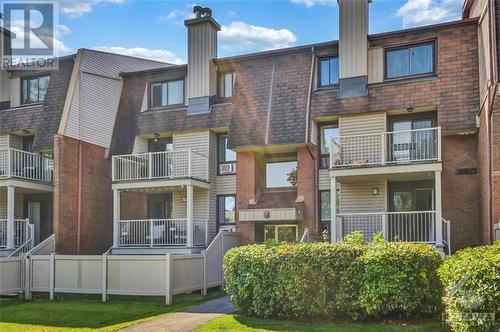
(154, 29)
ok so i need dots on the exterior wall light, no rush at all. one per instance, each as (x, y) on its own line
(375, 191)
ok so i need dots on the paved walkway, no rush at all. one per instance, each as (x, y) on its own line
(188, 319)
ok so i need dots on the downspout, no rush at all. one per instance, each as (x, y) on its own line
(309, 92)
(80, 163)
(270, 103)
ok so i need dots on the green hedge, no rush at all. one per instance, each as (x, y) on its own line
(471, 279)
(341, 280)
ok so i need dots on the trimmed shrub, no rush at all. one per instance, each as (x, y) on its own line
(341, 280)
(397, 278)
(471, 280)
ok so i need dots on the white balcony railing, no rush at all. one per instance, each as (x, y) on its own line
(411, 226)
(21, 232)
(160, 165)
(397, 147)
(26, 165)
(160, 232)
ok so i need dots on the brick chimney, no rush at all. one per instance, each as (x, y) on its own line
(202, 49)
(353, 48)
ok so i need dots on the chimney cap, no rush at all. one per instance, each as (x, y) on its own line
(203, 14)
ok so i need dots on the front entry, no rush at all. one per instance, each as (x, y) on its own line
(160, 206)
(281, 233)
(38, 209)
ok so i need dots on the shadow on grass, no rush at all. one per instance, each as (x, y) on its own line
(89, 312)
(251, 323)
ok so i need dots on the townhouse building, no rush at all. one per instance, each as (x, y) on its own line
(394, 133)
(55, 133)
(373, 132)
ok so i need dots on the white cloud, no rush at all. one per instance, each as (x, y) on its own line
(422, 12)
(310, 3)
(77, 8)
(178, 15)
(140, 52)
(241, 36)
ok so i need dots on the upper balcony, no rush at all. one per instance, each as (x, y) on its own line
(386, 149)
(168, 165)
(25, 165)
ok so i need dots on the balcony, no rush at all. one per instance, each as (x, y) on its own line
(176, 164)
(386, 148)
(161, 233)
(25, 165)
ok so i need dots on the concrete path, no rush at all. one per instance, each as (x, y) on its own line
(187, 320)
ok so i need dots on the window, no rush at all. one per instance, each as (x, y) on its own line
(34, 89)
(281, 233)
(329, 71)
(167, 93)
(281, 174)
(226, 84)
(327, 133)
(410, 61)
(226, 157)
(226, 207)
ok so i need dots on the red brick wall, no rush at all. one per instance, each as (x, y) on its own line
(133, 205)
(460, 193)
(96, 197)
(307, 187)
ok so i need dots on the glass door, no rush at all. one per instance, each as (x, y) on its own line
(162, 163)
(34, 217)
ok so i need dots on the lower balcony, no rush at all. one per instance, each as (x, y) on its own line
(409, 226)
(162, 233)
(17, 164)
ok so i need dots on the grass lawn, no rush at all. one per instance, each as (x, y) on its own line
(250, 324)
(79, 313)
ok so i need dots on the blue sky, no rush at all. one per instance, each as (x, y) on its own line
(154, 29)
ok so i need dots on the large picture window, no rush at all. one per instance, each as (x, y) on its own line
(34, 89)
(281, 174)
(226, 157)
(329, 71)
(167, 93)
(226, 207)
(409, 61)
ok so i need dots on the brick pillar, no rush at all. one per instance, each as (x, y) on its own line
(249, 181)
(307, 191)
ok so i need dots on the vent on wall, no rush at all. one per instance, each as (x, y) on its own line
(466, 171)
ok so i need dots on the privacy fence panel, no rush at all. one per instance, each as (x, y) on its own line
(136, 275)
(187, 273)
(11, 275)
(78, 274)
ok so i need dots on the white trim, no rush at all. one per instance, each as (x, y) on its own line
(389, 169)
(144, 184)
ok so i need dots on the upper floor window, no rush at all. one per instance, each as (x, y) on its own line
(329, 71)
(226, 84)
(34, 89)
(226, 157)
(409, 61)
(167, 93)
(327, 134)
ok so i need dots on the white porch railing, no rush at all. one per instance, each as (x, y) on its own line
(411, 226)
(21, 233)
(25, 165)
(397, 147)
(160, 232)
(160, 165)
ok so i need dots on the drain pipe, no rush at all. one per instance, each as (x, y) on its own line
(309, 92)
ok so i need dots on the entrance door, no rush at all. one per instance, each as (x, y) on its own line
(160, 206)
(34, 215)
(161, 162)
